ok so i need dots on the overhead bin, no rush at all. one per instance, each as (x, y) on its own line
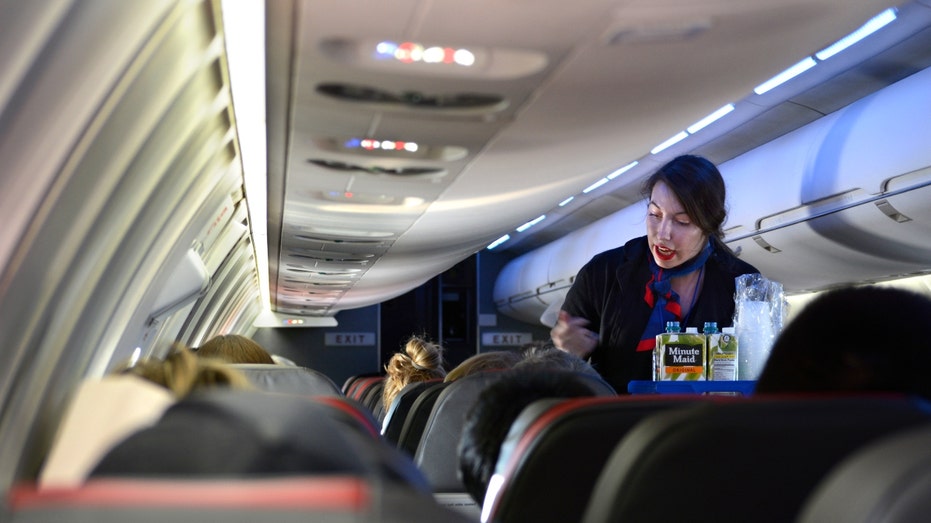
(842, 200)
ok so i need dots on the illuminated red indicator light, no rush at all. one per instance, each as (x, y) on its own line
(411, 52)
(388, 145)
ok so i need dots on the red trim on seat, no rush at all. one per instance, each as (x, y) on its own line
(328, 493)
(556, 411)
(338, 403)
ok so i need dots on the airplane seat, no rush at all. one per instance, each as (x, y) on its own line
(372, 399)
(751, 460)
(288, 379)
(354, 380)
(344, 388)
(396, 413)
(555, 449)
(358, 389)
(237, 433)
(350, 413)
(416, 421)
(888, 480)
(335, 499)
(437, 454)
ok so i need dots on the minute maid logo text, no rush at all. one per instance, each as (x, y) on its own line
(683, 355)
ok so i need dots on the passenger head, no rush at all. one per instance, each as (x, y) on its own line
(181, 372)
(233, 348)
(700, 188)
(489, 419)
(420, 361)
(493, 360)
(545, 356)
(866, 339)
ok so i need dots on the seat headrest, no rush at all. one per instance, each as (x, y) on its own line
(288, 379)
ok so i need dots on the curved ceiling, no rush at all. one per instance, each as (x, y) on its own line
(383, 174)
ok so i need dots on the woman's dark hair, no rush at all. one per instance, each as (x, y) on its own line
(698, 185)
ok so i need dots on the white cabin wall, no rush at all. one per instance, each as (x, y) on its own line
(805, 209)
(118, 146)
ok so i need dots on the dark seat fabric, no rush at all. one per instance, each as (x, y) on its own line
(887, 481)
(555, 449)
(372, 399)
(437, 455)
(350, 414)
(358, 389)
(396, 413)
(417, 418)
(334, 499)
(288, 379)
(233, 433)
(751, 460)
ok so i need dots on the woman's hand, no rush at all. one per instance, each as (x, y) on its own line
(572, 335)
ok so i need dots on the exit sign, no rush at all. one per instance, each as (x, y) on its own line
(349, 339)
(506, 339)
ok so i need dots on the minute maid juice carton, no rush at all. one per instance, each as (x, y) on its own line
(680, 356)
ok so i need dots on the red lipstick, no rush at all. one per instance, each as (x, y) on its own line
(663, 256)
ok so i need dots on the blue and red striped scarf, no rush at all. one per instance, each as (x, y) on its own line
(664, 301)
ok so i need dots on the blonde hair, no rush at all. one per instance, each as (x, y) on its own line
(494, 360)
(233, 348)
(420, 361)
(182, 372)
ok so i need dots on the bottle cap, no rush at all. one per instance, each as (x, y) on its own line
(691, 330)
(711, 327)
(728, 330)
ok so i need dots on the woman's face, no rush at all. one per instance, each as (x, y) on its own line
(673, 238)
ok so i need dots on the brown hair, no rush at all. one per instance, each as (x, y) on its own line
(699, 186)
(182, 372)
(233, 348)
(494, 360)
(420, 361)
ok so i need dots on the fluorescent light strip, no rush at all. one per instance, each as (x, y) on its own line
(711, 118)
(499, 241)
(595, 185)
(786, 75)
(244, 29)
(623, 170)
(874, 24)
(670, 142)
(566, 201)
(531, 223)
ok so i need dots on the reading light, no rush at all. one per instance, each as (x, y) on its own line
(711, 118)
(786, 75)
(874, 24)
(498, 242)
(531, 223)
(670, 142)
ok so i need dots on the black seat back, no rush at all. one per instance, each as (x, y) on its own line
(751, 460)
(234, 433)
(555, 449)
(396, 413)
(417, 418)
(887, 481)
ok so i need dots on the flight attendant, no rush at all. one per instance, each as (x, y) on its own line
(680, 271)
